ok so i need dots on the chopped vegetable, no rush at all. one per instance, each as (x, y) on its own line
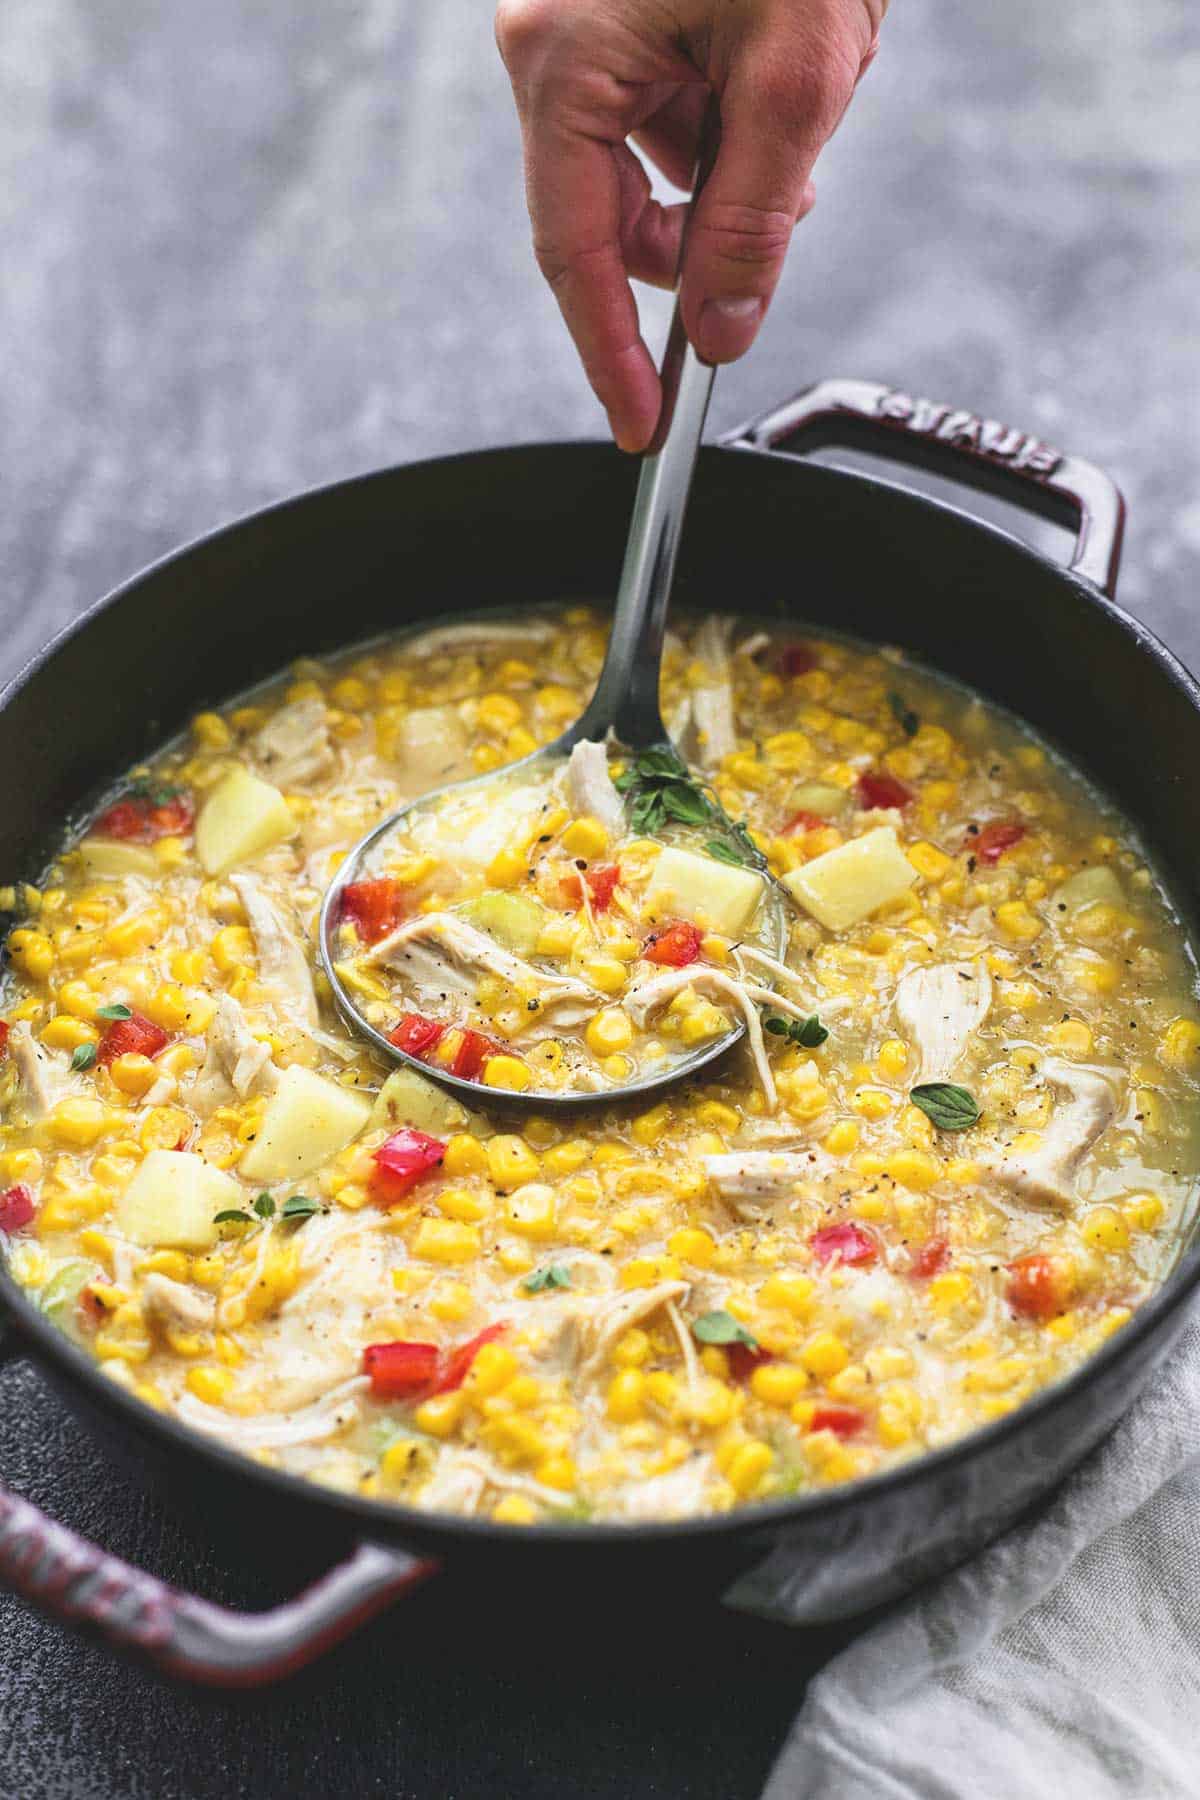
(4, 1030)
(798, 659)
(676, 946)
(952, 1108)
(854, 880)
(1040, 1286)
(400, 1371)
(415, 1034)
(130, 1035)
(241, 818)
(843, 1421)
(83, 1056)
(173, 1201)
(299, 1206)
(803, 821)
(601, 879)
(147, 813)
(694, 887)
(930, 1259)
(471, 1052)
(374, 908)
(457, 1366)
(17, 1207)
(514, 920)
(1086, 888)
(844, 1242)
(995, 839)
(881, 792)
(401, 1161)
(407, 1098)
(308, 1119)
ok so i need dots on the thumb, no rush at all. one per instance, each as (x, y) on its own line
(773, 126)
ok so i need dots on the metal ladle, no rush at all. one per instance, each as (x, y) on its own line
(625, 703)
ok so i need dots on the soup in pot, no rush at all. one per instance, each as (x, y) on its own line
(953, 1151)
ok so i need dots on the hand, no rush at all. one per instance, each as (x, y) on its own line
(587, 75)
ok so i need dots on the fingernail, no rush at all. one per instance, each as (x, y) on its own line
(727, 328)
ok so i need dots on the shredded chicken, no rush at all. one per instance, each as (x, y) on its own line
(175, 1304)
(457, 1485)
(1086, 1106)
(585, 1328)
(687, 1348)
(236, 1063)
(678, 1494)
(678, 721)
(293, 749)
(590, 788)
(332, 1413)
(712, 703)
(649, 995)
(480, 634)
(748, 1181)
(940, 1008)
(283, 966)
(45, 1078)
(441, 953)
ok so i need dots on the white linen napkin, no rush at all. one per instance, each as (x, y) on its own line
(1062, 1662)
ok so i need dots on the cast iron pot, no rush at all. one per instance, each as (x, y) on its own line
(768, 534)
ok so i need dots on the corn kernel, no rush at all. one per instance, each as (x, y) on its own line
(585, 838)
(506, 1072)
(209, 1384)
(792, 1293)
(31, 952)
(133, 1074)
(465, 1155)
(66, 1033)
(493, 1368)
(609, 1031)
(515, 1509)
(824, 1355)
(695, 1246)
(532, 1212)
(871, 1102)
(1180, 1043)
(842, 1138)
(440, 1414)
(949, 1290)
(748, 1468)
(464, 1204)
(1016, 921)
(78, 1122)
(914, 1169)
(445, 1241)
(631, 1349)
(1105, 1229)
(1144, 1211)
(510, 1161)
(232, 948)
(778, 1384)
(929, 861)
(626, 1396)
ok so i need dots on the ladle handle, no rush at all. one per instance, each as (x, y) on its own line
(626, 696)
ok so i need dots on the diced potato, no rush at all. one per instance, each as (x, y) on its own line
(687, 886)
(241, 818)
(106, 860)
(512, 919)
(431, 746)
(818, 797)
(173, 1199)
(407, 1098)
(853, 881)
(308, 1120)
(1086, 888)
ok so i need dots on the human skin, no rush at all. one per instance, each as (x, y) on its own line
(589, 75)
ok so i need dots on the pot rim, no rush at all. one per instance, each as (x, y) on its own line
(380, 1519)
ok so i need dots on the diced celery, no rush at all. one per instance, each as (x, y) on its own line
(818, 797)
(512, 919)
(1088, 887)
(407, 1098)
(59, 1296)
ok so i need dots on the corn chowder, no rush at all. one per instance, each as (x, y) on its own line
(952, 1153)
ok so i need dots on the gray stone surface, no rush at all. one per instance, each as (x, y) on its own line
(251, 245)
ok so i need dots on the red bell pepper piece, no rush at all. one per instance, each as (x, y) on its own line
(3, 1039)
(879, 791)
(400, 1162)
(374, 907)
(989, 845)
(16, 1208)
(676, 946)
(416, 1034)
(140, 819)
(848, 1243)
(401, 1370)
(1039, 1286)
(135, 1036)
(930, 1259)
(843, 1421)
(471, 1052)
(454, 1368)
(745, 1358)
(798, 659)
(601, 879)
(803, 821)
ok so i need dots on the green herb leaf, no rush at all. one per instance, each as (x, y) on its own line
(808, 1033)
(264, 1206)
(158, 793)
(232, 1216)
(952, 1108)
(906, 718)
(299, 1206)
(722, 1328)
(726, 853)
(83, 1056)
(552, 1276)
(115, 1011)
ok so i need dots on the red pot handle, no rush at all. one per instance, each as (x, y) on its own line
(1091, 494)
(71, 1579)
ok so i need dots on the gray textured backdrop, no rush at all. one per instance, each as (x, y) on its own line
(250, 245)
